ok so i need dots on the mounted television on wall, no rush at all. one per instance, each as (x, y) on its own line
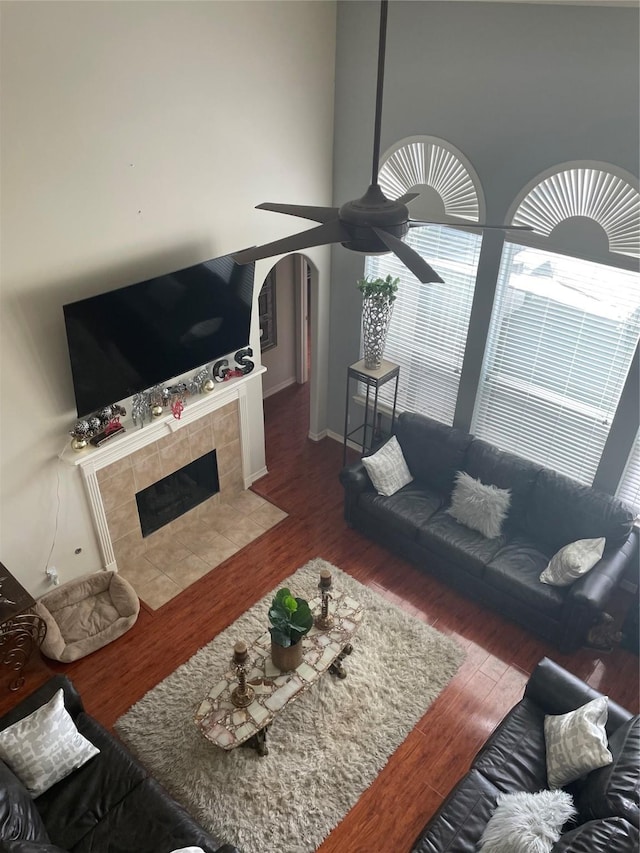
(132, 338)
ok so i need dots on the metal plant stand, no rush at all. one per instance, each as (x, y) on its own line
(368, 432)
(20, 631)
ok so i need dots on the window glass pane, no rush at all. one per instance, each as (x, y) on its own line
(563, 334)
(428, 331)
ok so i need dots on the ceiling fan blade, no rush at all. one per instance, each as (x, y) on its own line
(420, 223)
(330, 232)
(409, 257)
(407, 197)
(306, 211)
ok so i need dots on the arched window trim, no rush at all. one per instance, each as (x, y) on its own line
(402, 156)
(536, 239)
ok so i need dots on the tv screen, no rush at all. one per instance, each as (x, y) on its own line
(129, 339)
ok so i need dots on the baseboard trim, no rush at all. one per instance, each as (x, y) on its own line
(317, 436)
(279, 387)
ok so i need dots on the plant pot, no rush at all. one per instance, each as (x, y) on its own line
(376, 316)
(286, 658)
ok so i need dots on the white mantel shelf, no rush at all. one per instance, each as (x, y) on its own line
(91, 459)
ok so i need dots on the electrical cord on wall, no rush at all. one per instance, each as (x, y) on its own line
(57, 518)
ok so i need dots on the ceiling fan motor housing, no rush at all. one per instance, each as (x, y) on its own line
(375, 210)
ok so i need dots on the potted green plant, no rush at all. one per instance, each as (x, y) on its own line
(379, 294)
(290, 619)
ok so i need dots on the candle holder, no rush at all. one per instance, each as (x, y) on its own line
(324, 621)
(243, 694)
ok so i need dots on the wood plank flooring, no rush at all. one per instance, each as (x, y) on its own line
(303, 481)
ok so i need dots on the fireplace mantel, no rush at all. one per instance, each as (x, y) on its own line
(91, 459)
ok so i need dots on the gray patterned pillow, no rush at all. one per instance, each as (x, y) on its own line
(45, 747)
(573, 561)
(387, 468)
(576, 743)
(479, 506)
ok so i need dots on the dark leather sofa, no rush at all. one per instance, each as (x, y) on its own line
(547, 511)
(514, 759)
(109, 805)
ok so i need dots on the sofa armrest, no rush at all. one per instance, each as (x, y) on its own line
(595, 588)
(72, 700)
(354, 478)
(557, 691)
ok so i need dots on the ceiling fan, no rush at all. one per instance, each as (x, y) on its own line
(373, 224)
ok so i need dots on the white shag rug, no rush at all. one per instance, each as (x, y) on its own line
(325, 749)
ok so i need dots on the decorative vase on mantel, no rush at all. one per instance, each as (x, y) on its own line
(377, 305)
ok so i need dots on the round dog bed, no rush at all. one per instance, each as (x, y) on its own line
(85, 614)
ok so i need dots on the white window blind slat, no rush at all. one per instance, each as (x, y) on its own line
(562, 338)
(428, 331)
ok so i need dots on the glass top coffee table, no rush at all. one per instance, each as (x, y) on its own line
(229, 726)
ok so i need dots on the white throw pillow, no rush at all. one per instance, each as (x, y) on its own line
(479, 506)
(576, 743)
(387, 468)
(573, 561)
(44, 747)
(527, 823)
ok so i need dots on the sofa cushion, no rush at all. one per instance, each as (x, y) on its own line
(405, 512)
(506, 471)
(513, 758)
(45, 746)
(562, 510)
(478, 505)
(23, 846)
(515, 569)
(458, 543)
(146, 821)
(461, 819)
(612, 835)
(73, 807)
(433, 451)
(19, 817)
(614, 790)
(387, 468)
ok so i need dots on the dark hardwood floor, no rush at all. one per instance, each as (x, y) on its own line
(303, 480)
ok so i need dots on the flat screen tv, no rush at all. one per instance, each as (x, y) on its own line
(132, 338)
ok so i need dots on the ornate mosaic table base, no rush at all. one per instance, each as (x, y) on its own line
(19, 636)
(229, 726)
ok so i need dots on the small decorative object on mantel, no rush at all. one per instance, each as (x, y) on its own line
(98, 428)
(290, 619)
(324, 621)
(379, 294)
(243, 694)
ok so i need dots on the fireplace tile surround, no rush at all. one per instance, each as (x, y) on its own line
(160, 565)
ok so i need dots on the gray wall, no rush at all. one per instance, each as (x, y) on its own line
(518, 88)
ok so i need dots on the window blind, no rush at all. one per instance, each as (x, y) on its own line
(629, 489)
(428, 331)
(562, 337)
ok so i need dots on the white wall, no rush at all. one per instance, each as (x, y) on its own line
(136, 138)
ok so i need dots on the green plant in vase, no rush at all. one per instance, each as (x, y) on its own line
(290, 619)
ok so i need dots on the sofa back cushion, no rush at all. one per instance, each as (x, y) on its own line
(19, 817)
(433, 451)
(486, 463)
(614, 790)
(562, 510)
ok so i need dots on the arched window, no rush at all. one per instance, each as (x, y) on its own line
(428, 332)
(566, 320)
